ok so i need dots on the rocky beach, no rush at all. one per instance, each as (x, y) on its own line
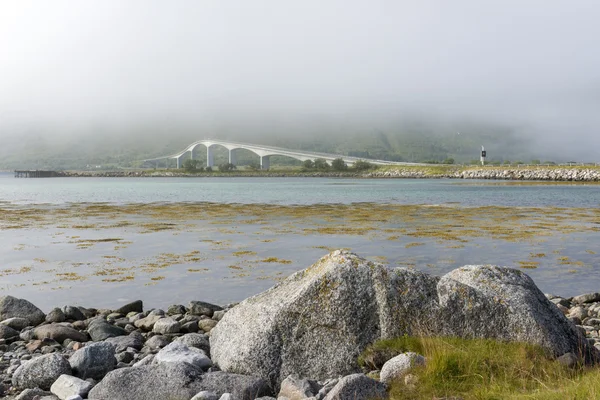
(526, 173)
(300, 339)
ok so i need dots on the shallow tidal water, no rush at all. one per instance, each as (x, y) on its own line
(99, 242)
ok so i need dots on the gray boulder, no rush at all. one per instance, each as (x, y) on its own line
(59, 333)
(196, 340)
(203, 308)
(587, 298)
(135, 306)
(174, 381)
(73, 313)
(357, 387)
(41, 372)
(399, 366)
(158, 382)
(16, 323)
(482, 301)
(295, 388)
(121, 343)
(331, 311)
(100, 330)
(12, 307)
(32, 394)
(93, 361)
(67, 386)
(178, 352)
(327, 314)
(147, 323)
(241, 387)
(157, 342)
(166, 325)
(6, 332)
(56, 315)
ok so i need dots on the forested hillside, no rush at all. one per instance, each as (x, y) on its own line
(414, 141)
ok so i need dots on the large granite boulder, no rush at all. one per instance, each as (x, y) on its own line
(12, 307)
(483, 301)
(317, 322)
(313, 324)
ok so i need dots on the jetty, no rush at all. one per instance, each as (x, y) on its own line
(35, 174)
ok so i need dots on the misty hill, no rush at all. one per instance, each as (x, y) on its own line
(414, 141)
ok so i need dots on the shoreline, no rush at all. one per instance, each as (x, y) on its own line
(547, 174)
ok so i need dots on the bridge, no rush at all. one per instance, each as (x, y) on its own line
(265, 152)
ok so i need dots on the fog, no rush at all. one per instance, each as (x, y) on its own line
(238, 67)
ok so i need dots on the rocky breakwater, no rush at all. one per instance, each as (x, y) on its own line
(497, 173)
(299, 339)
(532, 174)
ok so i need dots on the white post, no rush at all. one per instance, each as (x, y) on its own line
(265, 162)
(483, 154)
(210, 160)
(232, 158)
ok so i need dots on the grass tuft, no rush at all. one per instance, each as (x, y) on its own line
(483, 369)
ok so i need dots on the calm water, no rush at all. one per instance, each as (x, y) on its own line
(292, 191)
(222, 261)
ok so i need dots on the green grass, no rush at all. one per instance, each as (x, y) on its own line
(483, 369)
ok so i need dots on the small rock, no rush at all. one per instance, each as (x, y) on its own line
(27, 335)
(100, 330)
(203, 308)
(41, 372)
(569, 360)
(6, 332)
(578, 312)
(166, 325)
(587, 298)
(16, 323)
(357, 387)
(121, 343)
(207, 324)
(124, 357)
(93, 361)
(73, 313)
(295, 388)
(56, 315)
(189, 327)
(59, 333)
(67, 386)
(157, 342)
(176, 309)
(196, 340)
(179, 352)
(31, 394)
(12, 307)
(137, 306)
(205, 395)
(399, 366)
(147, 323)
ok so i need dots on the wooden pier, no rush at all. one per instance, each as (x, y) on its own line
(35, 174)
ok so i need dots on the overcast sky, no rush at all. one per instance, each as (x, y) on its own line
(535, 64)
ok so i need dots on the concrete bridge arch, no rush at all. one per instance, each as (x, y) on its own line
(264, 152)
